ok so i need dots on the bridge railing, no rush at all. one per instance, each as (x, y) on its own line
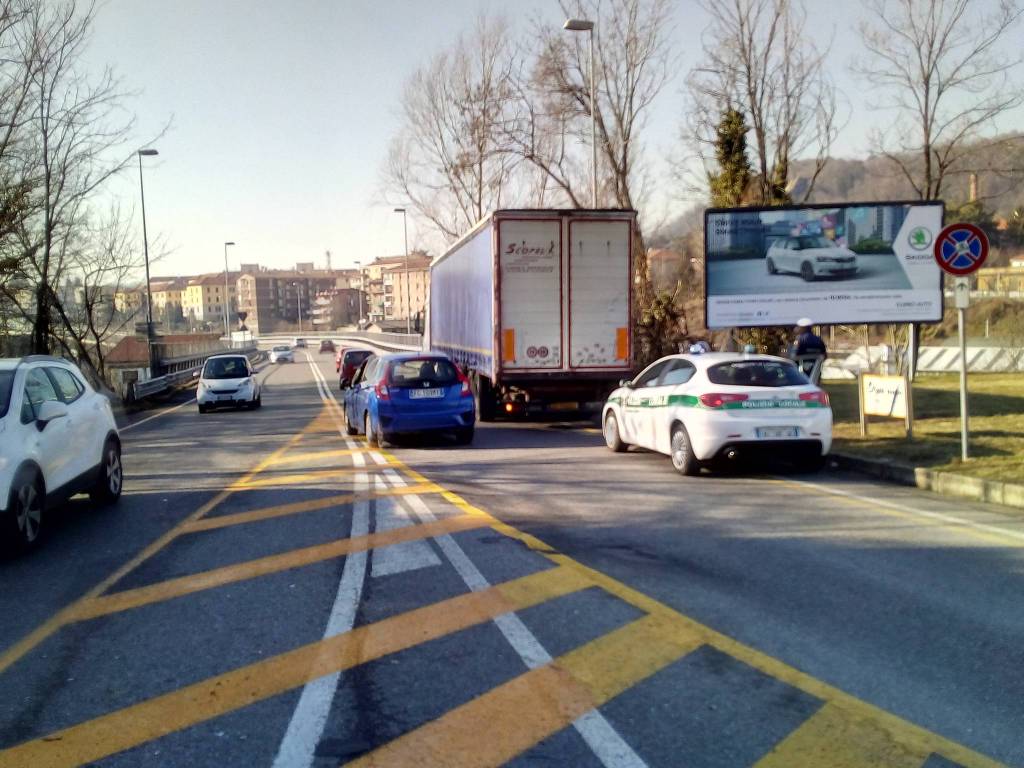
(181, 370)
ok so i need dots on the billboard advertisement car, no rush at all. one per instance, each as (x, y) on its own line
(835, 263)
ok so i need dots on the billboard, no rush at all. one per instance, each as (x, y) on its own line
(834, 263)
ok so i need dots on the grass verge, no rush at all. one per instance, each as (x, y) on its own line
(996, 424)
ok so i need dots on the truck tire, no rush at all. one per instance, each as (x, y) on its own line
(484, 394)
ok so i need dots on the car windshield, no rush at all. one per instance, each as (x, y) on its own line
(225, 368)
(757, 373)
(814, 242)
(423, 372)
(6, 382)
(282, 349)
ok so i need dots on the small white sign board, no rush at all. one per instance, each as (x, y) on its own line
(885, 395)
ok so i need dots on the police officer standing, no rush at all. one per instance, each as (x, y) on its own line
(807, 341)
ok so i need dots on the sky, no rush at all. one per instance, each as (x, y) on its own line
(273, 119)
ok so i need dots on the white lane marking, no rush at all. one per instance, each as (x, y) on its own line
(306, 727)
(157, 415)
(398, 558)
(950, 519)
(298, 747)
(604, 741)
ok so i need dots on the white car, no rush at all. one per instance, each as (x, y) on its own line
(228, 379)
(282, 354)
(811, 257)
(57, 438)
(721, 406)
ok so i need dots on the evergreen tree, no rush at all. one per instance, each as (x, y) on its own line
(730, 183)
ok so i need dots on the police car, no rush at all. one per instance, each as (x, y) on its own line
(720, 407)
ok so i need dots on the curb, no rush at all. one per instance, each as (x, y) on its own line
(946, 483)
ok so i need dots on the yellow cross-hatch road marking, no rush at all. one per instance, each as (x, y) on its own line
(887, 728)
(59, 619)
(539, 703)
(283, 510)
(296, 558)
(196, 703)
(318, 455)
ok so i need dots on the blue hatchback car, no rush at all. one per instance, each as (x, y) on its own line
(406, 393)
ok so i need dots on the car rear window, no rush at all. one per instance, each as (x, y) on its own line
(356, 356)
(6, 384)
(423, 372)
(282, 349)
(225, 368)
(757, 373)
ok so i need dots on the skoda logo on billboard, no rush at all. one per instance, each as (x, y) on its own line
(920, 239)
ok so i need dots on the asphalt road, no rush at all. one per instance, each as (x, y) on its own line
(742, 276)
(272, 592)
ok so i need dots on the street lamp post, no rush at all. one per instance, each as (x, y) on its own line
(145, 249)
(359, 320)
(583, 25)
(408, 293)
(227, 330)
(298, 305)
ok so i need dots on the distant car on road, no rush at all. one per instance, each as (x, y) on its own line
(228, 379)
(57, 438)
(407, 393)
(348, 361)
(326, 345)
(721, 407)
(811, 257)
(299, 343)
(282, 354)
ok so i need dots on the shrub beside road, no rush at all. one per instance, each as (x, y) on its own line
(997, 426)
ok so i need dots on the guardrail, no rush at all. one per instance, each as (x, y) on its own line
(396, 342)
(182, 370)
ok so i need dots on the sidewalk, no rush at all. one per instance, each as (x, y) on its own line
(946, 483)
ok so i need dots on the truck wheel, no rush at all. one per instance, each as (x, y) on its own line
(612, 437)
(485, 404)
(683, 458)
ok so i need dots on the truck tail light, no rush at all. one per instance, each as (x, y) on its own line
(719, 399)
(465, 391)
(821, 396)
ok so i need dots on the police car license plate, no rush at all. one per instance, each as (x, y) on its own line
(420, 394)
(777, 432)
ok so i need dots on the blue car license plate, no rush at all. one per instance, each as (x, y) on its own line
(774, 433)
(420, 394)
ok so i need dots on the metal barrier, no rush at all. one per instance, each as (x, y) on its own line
(182, 370)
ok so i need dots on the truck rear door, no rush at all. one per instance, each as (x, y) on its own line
(599, 266)
(530, 290)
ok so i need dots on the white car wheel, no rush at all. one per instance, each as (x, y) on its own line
(611, 433)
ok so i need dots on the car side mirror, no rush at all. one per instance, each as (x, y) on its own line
(627, 383)
(195, 374)
(346, 383)
(49, 411)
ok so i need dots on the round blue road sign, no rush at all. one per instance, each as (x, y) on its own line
(961, 248)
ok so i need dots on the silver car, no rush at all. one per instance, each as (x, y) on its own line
(282, 354)
(811, 257)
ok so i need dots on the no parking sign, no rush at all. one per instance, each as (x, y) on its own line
(961, 248)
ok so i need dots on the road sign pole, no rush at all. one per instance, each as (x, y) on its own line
(963, 386)
(961, 249)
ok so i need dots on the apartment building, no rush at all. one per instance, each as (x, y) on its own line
(336, 308)
(388, 296)
(280, 299)
(203, 299)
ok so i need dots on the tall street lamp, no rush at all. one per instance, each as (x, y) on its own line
(145, 248)
(298, 305)
(408, 294)
(227, 330)
(583, 25)
(359, 320)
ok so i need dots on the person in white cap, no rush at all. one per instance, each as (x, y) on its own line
(807, 341)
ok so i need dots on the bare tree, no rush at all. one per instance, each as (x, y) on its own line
(76, 134)
(939, 67)
(446, 163)
(759, 61)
